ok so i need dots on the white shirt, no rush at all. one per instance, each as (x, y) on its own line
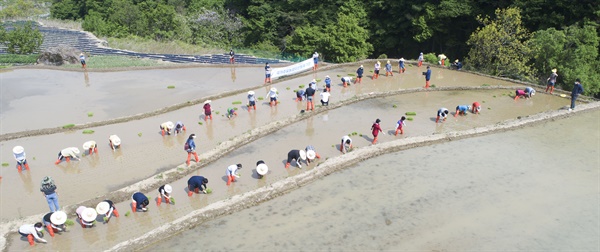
(347, 79)
(346, 138)
(232, 170)
(30, 229)
(116, 141)
(325, 96)
(315, 55)
(70, 152)
(272, 94)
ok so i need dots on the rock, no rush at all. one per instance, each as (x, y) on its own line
(59, 55)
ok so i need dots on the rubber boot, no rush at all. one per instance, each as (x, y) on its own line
(287, 165)
(190, 193)
(426, 84)
(19, 168)
(374, 140)
(318, 156)
(159, 200)
(68, 159)
(168, 200)
(133, 206)
(30, 239)
(188, 158)
(96, 150)
(163, 132)
(50, 230)
(57, 161)
(307, 106)
(312, 106)
(395, 134)
(196, 157)
(342, 147)
(115, 212)
(26, 166)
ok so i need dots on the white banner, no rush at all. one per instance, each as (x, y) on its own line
(293, 69)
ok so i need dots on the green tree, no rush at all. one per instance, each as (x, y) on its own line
(498, 48)
(24, 39)
(346, 39)
(573, 51)
(67, 9)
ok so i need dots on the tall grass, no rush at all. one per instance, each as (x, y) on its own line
(102, 61)
(58, 23)
(143, 45)
(6, 59)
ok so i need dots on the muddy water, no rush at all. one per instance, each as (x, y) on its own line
(531, 189)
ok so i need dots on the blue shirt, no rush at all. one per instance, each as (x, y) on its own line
(139, 198)
(462, 108)
(388, 67)
(190, 142)
(360, 71)
(327, 81)
(401, 64)
(427, 74)
(196, 182)
(577, 89)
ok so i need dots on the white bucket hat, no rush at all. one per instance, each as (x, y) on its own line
(18, 149)
(251, 92)
(102, 207)
(273, 89)
(311, 154)
(262, 169)
(402, 59)
(89, 214)
(303, 154)
(207, 101)
(88, 144)
(115, 139)
(168, 189)
(75, 150)
(58, 218)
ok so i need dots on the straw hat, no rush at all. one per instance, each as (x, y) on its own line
(311, 154)
(89, 144)
(58, 218)
(313, 80)
(75, 150)
(115, 139)
(456, 61)
(273, 89)
(378, 62)
(388, 62)
(402, 59)
(89, 214)
(303, 154)
(327, 76)
(361, 66)
(18, 149)
(262, 169)
(554, 70)
(251, 92)
(102, 207)
(207, 101)
(168, 189)
(170, 125)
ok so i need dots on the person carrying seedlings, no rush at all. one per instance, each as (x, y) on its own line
(315, 57)
(442, 58)
(48, 189)
(91, 146)
(108, 208)
(527, 93)
(261, 169)
(267, 73)
(55, 222)
(296, 155)
(346, 80)
(311, 154)
(475, 108)
(551, 81)
(310, 96)
(272, 95)
(67, 154)
(231, 173)
(21, 157)
(359, 74)
(346, 144)
(167, 127)
(139, 202)
(87, 216)
(400, 126)
(251, 100)
(300, 94)
(420, 59)
(375, 129)
(577, 90)
(230, 113)
(328, 83)
(82, 60)
(457, 65)
(376, 70)
(33, 232)
(114, 142)
(179, 127)
(231, 56)
(427, 76)
(190, 147)
(388, 69)
(325, 97)
(401, 66)
(197, 184)
(164, 192)
(441, 113)
(207, 110)
(462, 110)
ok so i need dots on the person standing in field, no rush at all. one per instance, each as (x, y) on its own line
(376, 71)
(401, 66)
(359, 74)
(388, 69)
(190, 147)
(251, 100)
(231, 56)
(577, 90)
(48, 189)
(315, 60)
(82, 60)
(375, 129)
(267, 73)
(551, 81)
(420, 60)
(427, 76)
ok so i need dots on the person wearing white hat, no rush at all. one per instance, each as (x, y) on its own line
(359, 74)
(272, 95)
(166, 127)
(296, 155)
(164, 191)
(267, 73)
(388, 69)
(207, 110)
(107, 207)
(376, 71)
(82, 60)
(261, 169)
(232, 173)
(328, 83)
(87, 216)
(315, 57)
(551, 81)
(179, 127)
(420, 60)
(311, 154)
(251, 100)
(114, 141)
(401, 66)
(67, 154)
(91, 146)
(441, 113)
(55, 222)
(457, 64)
(32, 231)
(190, 147)
(346, 144)
(21, 157)
(346, 80)
(442, 58)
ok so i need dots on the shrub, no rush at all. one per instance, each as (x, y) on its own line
(382, 56)
(18, 58)
(430, 58)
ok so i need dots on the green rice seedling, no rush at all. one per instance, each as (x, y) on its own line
(173, 200)
(5, 164)
(68, 126)
(485, 85)
(301, 86)
(360, 135)
(217, 112)
(88, 132)
(208, 190)
(351, 74)
(411, 113)
(287, 88)
(339, 75)
(69, 222)
(489, 108)
(354, 133)
(140, 134)
(432, 85)
(159, 176)
(318, 80)
(105, 219)
(236, 103)
(409, 118)
(171, 87)
(90, 114)
(235, 108)
(180, 169)
(128, 213)
(482, 101)
(295, 90)
(200, 123)
(261, 98)
(394, 106)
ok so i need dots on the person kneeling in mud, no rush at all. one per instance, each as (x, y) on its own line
(475, 108)
(166, 127)
(462, 110)
(230, 113)
(197, 184)
(441, 113)
(179, 127)
(346, 144)
(527, 93)
(296, 155)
